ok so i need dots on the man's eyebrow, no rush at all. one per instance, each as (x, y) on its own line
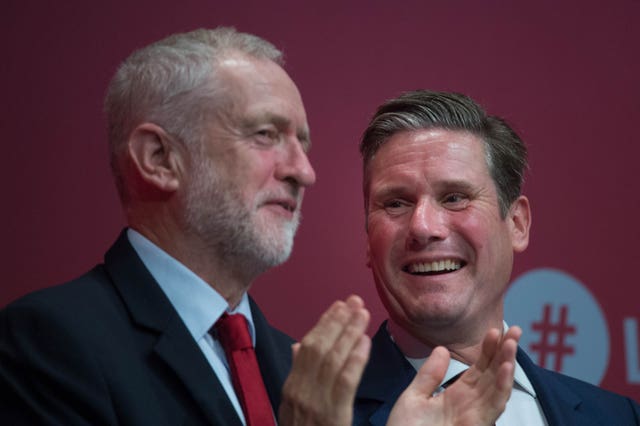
(389, 191)
(392, 190)
(449, 185)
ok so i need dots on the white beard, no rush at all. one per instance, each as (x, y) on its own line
(239, 235)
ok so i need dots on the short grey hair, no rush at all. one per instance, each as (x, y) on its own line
(505, 152)
(172, 83)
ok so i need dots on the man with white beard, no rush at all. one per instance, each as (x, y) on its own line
(208, 143)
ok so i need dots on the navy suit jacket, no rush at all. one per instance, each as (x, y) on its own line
(109, 348)
(565, 401)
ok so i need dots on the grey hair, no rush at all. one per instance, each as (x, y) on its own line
(172, 83)
(505, 152)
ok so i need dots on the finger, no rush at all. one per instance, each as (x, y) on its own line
(508, 346)
(508, 352)
(513, 333)
(504, 367)
(490, 346)
(322, 336)
(346, 385)
(309, 353)
(302, 396)
(500, 393)
(336, 358)
(505, 376)
(431, 373)
(354, 302)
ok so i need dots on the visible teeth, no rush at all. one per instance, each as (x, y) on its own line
(435, 266)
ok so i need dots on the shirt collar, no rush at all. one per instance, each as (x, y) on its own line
(197, 303)
(455, 367)
(519, 377)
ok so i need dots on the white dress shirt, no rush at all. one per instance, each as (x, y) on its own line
(523, 407)
(198, 305)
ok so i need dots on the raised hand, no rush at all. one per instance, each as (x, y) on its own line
(327, 367)
(477, 398)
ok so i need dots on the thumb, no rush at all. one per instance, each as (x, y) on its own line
(431, 373)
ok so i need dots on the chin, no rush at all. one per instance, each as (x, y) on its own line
(275, 250)
(432, 314)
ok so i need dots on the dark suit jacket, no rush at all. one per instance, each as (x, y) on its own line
(564, 400)
(108, 348)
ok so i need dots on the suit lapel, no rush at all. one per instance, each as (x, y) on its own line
(177, 348)
(559, 402)
(273, 350)
(150, 308)
(386, 376)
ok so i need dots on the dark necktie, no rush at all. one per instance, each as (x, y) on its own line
(448, 383)
(452, 380)
(233, 334)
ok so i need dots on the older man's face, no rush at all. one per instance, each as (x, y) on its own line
(440, 252)
(247, 190)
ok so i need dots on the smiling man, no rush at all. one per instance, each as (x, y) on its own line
(445, 215)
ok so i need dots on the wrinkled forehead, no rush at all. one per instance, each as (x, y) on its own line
(259, 86)
(409, 136)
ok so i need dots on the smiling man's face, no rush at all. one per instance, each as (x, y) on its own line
(440, 252)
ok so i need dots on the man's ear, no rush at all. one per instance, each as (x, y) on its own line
(520, 220)
(156, 156)
(368, 256)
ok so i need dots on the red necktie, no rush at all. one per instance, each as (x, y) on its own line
(233, 334)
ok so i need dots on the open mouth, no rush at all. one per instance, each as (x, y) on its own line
(437, 267)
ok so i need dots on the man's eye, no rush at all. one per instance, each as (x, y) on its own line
(395, 206)
(266, 133)
(455, 200)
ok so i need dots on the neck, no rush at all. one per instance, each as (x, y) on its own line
(228, 279)
(419, 342)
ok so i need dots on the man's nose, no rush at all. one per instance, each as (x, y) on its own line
(428, 223)
(295, 165)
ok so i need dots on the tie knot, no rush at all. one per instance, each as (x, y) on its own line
(233, 332)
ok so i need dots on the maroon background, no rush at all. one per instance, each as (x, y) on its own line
(566, 74)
